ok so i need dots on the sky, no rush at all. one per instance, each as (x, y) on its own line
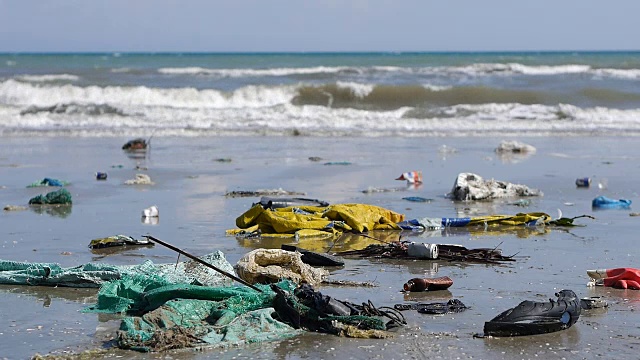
(317, 26)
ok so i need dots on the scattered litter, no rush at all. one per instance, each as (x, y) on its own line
(428, 284)
(417, 199)
(314, 258)
(470, 186)
(48, 182)
(223, 160)
(337, 163)
(593, 302)
(141, 179)
(276, 203)
(135, 145)
(93, 275)
(619, 278)
(531, 318)
(451, 306)
(117, 166)
(151, 211)
(372, 190)
(450, 252)
(422, 250)
(273, 192)
(349, 283)
(583, 182)
(15, 208)
(101, 176)
(412, 177)
(59, 197)
(117, 240)
(514, 146)
(315, 158)
(603, 202)
(521, 202)
(262, 266)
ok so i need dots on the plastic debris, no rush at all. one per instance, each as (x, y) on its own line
(422, 250)
(412, 177)
(514, 146)
(271, 265)
(140, 179)
(48, 182)
(583, 182)
(101, 176)
(135, 145)
(451, 306)
(337, 163)
(276, 203)
(151, 211)
(603, 202)
(619, 278)
(15, 208)
(469, 186)
(117, 240)
(59, 197)
(416, 199)
(267, 192)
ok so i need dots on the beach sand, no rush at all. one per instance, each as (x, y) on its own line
(189, 192)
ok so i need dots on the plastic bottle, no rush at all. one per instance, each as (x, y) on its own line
(422, 250)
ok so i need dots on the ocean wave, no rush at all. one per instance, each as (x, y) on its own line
(84, 109)
(48, 78)
(310, 120)
(479, 69)
(342, 94)
(256, 72)
(26, 94)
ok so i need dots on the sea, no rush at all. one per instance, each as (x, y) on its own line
(320, 94)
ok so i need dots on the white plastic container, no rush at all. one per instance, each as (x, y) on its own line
(423, 251)
(151, 212)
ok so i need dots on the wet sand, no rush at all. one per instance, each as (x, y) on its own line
(194, 214)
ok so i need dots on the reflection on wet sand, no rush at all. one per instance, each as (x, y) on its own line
(61, 211)
(49, 293)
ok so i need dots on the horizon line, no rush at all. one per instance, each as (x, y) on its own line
(311, 52)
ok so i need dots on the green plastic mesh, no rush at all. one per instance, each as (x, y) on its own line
(59, 197)
(96, 274)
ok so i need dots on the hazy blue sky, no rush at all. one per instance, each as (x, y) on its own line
(321, 25)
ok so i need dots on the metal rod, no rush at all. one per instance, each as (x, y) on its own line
(149, 237)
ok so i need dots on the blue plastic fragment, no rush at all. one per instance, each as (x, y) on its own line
(603, 202)
(416, 199)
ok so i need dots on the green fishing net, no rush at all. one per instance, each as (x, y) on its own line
(60, 197)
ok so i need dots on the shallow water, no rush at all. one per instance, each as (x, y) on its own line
(194, 213)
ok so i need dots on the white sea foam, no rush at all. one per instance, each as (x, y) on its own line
(255, 110)
(359, 90)
(25, 94)
(49, 77)
(253, 72)
(479, 69)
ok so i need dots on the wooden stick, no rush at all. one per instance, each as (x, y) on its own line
(151, 238)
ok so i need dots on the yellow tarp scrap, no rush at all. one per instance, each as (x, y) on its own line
(333, 219)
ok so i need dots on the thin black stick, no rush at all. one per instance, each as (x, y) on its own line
(149, 237)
